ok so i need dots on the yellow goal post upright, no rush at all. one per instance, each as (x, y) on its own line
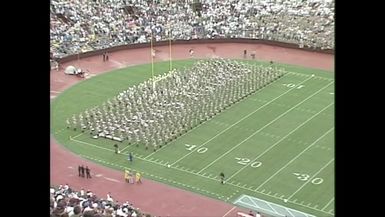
(152, 54)
(169, 45)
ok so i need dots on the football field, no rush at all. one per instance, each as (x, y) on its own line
(276, 145)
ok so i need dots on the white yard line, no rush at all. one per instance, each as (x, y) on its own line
(77, 136)
(125, 148)
(288, 210)
(107, 149)
(202, 125)
(315, 76)
(196, 174)
(310, 179)
(220, 133)
(265, 127)
(328, 203)
(225, 129)
(254, 203)
(271, 207)
(239, 199)
(58, 131)
(292, 160)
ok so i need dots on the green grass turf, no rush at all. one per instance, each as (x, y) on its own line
(275, 144)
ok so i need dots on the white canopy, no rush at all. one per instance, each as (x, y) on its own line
(71, 70)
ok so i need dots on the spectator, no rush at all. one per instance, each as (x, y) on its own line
(68, 205)
(76, 212)
(80, 170)
(76, 28)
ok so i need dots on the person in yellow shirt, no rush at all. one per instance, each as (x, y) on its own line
(126, 176)
(138, 177)
(131, 177)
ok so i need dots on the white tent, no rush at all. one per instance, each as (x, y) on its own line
(71, 70)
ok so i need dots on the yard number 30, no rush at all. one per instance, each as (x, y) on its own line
(305, 177)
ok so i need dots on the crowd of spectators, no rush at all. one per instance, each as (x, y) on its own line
(81, 25)
(65, 202)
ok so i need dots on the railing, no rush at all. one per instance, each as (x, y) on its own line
(197, 41)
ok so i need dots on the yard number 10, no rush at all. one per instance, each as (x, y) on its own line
(293, 85)
(200, 150)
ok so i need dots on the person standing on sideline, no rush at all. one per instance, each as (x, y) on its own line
(222, 176)
(244, 54)
(88, 172)
(126, 176)
(191, 51)
(104, 56)
(131, 177)
(116, 148)
(251, 213)
(138, 178)
(82, 170)
(253, 53)
(130, 157)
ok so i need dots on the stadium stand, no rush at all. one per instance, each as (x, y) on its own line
(65, 202)
(79, 26)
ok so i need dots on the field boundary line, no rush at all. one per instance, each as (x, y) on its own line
(196, 174)
(58, 131)
(327, 204)
(206, 122)
(159, 177)
(78, 135)
(128, 146)
(315, 76)
(268, 125)
(220, 133)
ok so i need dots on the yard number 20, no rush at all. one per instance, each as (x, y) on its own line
(293, 85)
(245, 161)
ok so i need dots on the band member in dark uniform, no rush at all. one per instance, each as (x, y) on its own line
(88, 172)
(222, 176)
